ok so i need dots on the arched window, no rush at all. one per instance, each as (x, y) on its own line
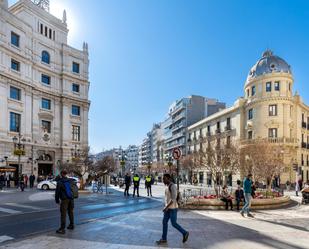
(45, 57)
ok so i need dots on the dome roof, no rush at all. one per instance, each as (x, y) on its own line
(269, 63)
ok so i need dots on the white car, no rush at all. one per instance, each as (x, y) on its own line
(51, 184)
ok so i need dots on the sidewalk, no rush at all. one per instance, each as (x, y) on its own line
(286, 229)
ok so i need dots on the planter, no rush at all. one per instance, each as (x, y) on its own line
(217, 204)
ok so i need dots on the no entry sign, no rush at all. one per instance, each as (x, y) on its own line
(176, 153)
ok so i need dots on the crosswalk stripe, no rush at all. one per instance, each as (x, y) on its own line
(22, 206)
(5, 238)
(10, 211)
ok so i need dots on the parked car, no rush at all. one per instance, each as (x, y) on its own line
(51, 184)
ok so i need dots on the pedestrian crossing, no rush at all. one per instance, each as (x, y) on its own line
(10, 208)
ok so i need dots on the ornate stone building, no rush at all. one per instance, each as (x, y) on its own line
(43, 89)
(268, 110)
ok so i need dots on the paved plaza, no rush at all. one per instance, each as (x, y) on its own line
(284, 228)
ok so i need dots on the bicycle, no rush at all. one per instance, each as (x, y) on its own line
(98, 188)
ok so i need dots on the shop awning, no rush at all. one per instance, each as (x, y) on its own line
(7, 169)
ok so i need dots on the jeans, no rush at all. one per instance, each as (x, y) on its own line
(66, 206)
(149, 190)
(171, 214)
(126, 191)
(246, 207)
(137, 191)
(227, 202)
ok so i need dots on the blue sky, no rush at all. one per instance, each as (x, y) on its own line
(146, 54)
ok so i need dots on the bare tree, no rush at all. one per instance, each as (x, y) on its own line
(190, 163)
(263, 159)
(79, 166)
(105, 166)
(218, 160)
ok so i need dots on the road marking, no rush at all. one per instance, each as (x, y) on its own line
(22, 206)
(10, 211)
(5, 238)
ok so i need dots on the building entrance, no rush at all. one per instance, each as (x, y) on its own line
(45, 169)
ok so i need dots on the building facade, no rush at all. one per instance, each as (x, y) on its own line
(44, 86)
(269, 110)
(181, 115)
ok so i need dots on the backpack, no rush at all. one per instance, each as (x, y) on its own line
(178, 197)
(71, 189)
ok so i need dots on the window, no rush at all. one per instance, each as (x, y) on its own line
(75, 88)
(45, 57)
(41, 28)
(248, 93)
(250, 134)
(289, 86)
(268, 86)
(15, 65)
(46, 104)
(46, 125)
(45, 31)
(50, 33)
(253, 90)
(272, 132)
(75, 67)
(14, 122)
(14, 39)
(250, 114)
(75, 133)
(14, 93)
(277, 86)
(76, 110)
(228, 141)
(272, 110)
(45, 79)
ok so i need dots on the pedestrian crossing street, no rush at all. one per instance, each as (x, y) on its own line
(11, 208)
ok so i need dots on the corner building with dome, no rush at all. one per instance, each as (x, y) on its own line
(269, 110)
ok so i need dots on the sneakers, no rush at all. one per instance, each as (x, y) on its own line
(250, 215)
(60, 231)
(185, 237)
(161, 242)
(242, 213)
(70, 227)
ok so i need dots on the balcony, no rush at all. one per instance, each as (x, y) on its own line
(208, 134)
(276, 140)
(228, 128)
(304, 145)
(218, 131)
(304, 125)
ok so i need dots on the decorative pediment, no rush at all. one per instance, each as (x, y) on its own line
(46, 115)
(272, 124)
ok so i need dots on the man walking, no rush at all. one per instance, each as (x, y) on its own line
(136, 181)
(148, 182)
(170, 210)
(32, 179)
(127, 182)
(247, 194)
(64, 196)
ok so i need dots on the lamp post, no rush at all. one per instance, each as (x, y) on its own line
(149, 164)
(19, 149)
(122, 159)
(168, 159)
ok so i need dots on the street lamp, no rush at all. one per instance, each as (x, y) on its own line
(149, 164)
(19, 149)
(168, 159)
(122, 159)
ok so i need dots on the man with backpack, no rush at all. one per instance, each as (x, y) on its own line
(66, 191)
(170, 210)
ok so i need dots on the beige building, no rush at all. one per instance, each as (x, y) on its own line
(269, 109)
(43, 89)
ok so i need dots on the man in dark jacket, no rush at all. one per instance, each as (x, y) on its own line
(64, 196)
(127, 182)
(2, 181)
(239, 196)
(136, 181)
(32, 179)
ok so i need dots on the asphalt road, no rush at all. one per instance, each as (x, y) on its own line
(35, 212)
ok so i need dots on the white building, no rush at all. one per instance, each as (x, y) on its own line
(269, 110)
(43, 88)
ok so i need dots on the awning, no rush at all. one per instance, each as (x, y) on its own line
(7, 169)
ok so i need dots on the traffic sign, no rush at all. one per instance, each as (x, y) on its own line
(176, 153)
